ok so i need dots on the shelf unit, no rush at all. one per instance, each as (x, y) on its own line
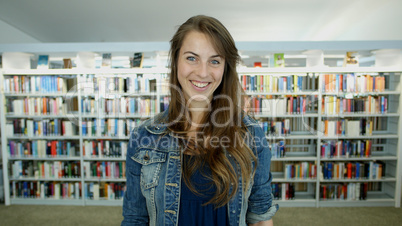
(388, 194)
(389, 191)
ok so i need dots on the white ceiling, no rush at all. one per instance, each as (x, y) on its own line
(247, 20)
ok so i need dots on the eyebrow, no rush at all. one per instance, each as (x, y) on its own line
(217, 55)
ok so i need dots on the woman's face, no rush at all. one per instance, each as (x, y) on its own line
(200, 67)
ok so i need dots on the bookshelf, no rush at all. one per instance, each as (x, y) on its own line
(301, 176)
(103, 105)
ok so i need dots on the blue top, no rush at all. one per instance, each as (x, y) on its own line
(192, 212)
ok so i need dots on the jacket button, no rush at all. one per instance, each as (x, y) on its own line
(146, 158)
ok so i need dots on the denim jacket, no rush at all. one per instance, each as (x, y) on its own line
(153, 171)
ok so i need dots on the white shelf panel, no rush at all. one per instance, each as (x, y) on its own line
(270, 137)
(97, 71)
(301, 158)
(361, 94)
(364, 115)
(379, 136)
(116, 115)
(47, 201)
(111, 95)
(104, 159)
(44, 179)
(284, 180)
(11, 116)
(50, 158)
(67, 95)
(105, 138)
(372, 158)
(300, 93)
(95, 179)
(317, 70)
(66, 137)
(387, 179)
(305, 115)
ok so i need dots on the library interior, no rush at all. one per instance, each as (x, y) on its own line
(321, 78)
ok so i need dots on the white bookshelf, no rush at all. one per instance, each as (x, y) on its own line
(389, 193)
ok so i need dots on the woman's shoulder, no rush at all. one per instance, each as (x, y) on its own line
(155, 124)
(249, 120)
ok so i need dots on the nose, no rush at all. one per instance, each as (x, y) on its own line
(203, 70)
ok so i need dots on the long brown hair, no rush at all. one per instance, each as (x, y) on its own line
(223, 174)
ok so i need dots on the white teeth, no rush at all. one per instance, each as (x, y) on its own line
(200, 85)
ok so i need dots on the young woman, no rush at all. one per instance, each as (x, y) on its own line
(204, 161)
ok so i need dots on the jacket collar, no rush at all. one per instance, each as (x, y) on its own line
(157, 124)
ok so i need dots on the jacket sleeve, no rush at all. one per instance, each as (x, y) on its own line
(260, 206)
(134, 203)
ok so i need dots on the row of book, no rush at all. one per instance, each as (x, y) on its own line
(353, 83)
(104, 191)
(349, 191)
(283, 191)
(353, 170)
(41, 127)
(36, 106)
(46, 169)
(281, 106)
(35, 84)
(136, 83)
(278, 150)
(43, 190)
(132, 105)
(348, 127)
(270, 83)
(105, 148)
(42, 148)
(105, 170)
(332, 105)
(300, 170)
(346, 148)
(109, 127)
(276, 127)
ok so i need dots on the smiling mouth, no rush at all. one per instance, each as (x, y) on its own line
(199, 84)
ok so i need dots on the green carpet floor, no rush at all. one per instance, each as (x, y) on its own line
(103, 215)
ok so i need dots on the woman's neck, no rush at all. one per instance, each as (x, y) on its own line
(197, 110)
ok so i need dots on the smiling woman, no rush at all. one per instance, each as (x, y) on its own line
(214, 168)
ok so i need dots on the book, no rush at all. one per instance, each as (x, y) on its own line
(137, 60)
(43, 62)
(351, 60)
(257, 64)
(106, 60)
(279, 60)
(67, 63)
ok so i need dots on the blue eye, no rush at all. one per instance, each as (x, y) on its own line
(215, 62)
(190, 58)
